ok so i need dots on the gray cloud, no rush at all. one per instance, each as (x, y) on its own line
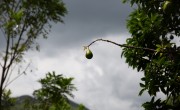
(114, 86)
(103, 83)
(88, 19)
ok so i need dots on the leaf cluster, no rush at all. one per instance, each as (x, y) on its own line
(55, 91)
(7, 100)
(152, 25)
(23, 21)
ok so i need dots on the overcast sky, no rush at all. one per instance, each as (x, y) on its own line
(105, 82)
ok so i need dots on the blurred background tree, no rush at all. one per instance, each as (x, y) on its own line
(53, 95)
(21, 23)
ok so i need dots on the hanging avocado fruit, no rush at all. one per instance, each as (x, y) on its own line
(171, 37)
(89, 54)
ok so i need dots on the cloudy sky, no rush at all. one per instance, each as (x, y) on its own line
(105, 82)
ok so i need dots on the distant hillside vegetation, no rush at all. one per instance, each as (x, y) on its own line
(22, 100)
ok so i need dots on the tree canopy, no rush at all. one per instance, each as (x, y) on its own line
(155, 24)
(21, 23)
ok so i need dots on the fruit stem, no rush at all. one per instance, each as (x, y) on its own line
(120, 45)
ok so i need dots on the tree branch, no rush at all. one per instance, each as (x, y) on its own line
(15, 54)
(5, 59)
(23, 72)
(1, 65)
(121, 45)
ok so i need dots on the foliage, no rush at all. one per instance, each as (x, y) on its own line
(155, 24)
(21, 23)
(7, 101)
(26, 102)
(54, 92)
(81, 107)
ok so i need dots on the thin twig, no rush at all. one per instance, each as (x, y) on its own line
(3, 33)
(1, 65)
(18, 75)
(122, 45)
(10, 73)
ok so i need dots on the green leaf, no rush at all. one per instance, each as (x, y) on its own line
(141, 85)
(18, 15)
(141, 92)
